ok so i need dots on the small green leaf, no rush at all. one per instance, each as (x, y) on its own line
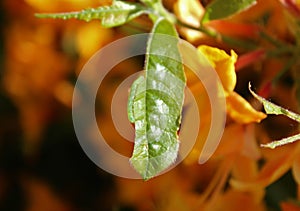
(114, 15)
(282, 142)
(271, 108)
(220, 9)
(156, 101)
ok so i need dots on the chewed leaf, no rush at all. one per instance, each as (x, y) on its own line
(220, 9)
(281, 142)
(271, 108)
(155, 103)
(116, 14)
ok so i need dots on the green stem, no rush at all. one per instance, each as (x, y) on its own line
(158, 10)
(288, 50)
(210, 33)
(239, 43)
(272, 40)
(282, 142)
(288, 65)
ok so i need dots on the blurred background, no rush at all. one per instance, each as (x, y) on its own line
(42, 166)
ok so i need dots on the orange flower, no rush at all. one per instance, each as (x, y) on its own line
(237, 107)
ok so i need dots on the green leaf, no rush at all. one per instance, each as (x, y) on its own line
(158, 10)
(135, 87)
(271, 108)
(220, 9)
(150, 2)
(114, 15)
(155, 103)
(282, 142)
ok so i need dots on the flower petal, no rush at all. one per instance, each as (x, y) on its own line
(223, 64)
(236, 200)
(296, 169)
(276, 166)
(241, 111)
(232, 140)
(189, 12)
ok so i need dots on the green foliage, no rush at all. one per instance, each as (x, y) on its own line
(282, 142)
(135, 87)
(151, 2)
(156, 101)
(156, 98)
(272, 108)
(220, 9)
(117, 14)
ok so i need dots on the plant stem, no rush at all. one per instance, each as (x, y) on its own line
(272, 40)
(282, 142)
(286, 67)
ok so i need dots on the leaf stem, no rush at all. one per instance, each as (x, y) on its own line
(282, 142)
(272, 40)
(288, 65)
(272, 108)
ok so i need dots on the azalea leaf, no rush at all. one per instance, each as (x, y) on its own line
(158, 10)
(220, 9)
(116, 14)
(155, 103)
(135, 87)
(282, 142)
(272, 108)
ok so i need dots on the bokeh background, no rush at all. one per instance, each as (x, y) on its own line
(42, 166)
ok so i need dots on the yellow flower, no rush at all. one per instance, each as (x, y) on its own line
(223, 64)
(237, 107)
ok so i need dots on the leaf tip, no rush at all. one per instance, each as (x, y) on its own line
(206, 17)
(139, 167)
(269, 145)
(261, 99)
(39, 15)
(249, 87)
